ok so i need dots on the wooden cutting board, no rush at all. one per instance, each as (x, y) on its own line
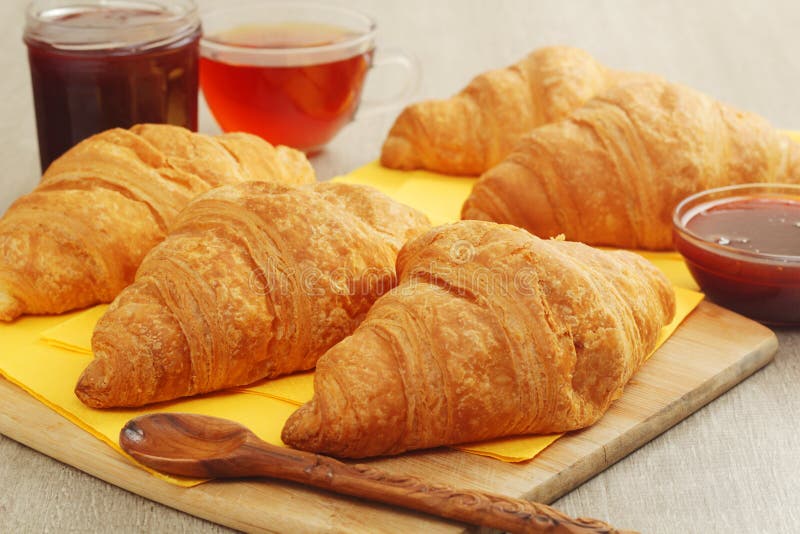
(712, 351)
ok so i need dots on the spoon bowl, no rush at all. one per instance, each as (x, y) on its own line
(185, 446)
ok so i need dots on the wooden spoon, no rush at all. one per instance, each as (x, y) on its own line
(209, 447)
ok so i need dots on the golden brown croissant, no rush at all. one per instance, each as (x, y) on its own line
(77, 239)
(254, 280)
(490, 332)
(612, 173)
(476, 128)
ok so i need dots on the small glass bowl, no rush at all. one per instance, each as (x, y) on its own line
(764, 287)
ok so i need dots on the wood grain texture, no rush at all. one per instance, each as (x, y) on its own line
(711, 352)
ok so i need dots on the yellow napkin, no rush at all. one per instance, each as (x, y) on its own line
(50, 372)
(45, 355)
(438, 196)
(75, 333)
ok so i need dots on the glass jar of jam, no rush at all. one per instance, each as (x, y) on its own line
(100, 64)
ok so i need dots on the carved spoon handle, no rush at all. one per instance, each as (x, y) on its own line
(475, 507)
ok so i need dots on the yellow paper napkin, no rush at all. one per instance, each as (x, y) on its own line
(50, 372)
(45, 355)
(75, 333)
(438, 196)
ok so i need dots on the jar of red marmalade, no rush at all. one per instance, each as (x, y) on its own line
(99, 64)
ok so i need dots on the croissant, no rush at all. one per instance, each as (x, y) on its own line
(78, 238)
(490, 332)
(613, 172)
(473, 130)
(255, 280)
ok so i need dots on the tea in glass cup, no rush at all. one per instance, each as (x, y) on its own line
(292, 73)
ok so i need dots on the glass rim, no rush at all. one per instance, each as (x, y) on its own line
(682, 214)
(355, 45)
(177, 20)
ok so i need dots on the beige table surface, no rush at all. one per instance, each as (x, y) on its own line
(732, 467)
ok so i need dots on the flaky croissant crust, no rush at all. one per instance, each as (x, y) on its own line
(78, 238)
(613, 172)
(255, 280)
(491, 332)
(476, 128)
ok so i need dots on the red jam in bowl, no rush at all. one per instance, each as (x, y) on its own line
(742, 246)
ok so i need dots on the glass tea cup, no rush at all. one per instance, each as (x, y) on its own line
(293, 72)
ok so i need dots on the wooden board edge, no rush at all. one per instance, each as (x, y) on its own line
(655, 425)
(135, 479)
(201, 501)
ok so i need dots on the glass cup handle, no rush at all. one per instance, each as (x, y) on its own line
(396, 58)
